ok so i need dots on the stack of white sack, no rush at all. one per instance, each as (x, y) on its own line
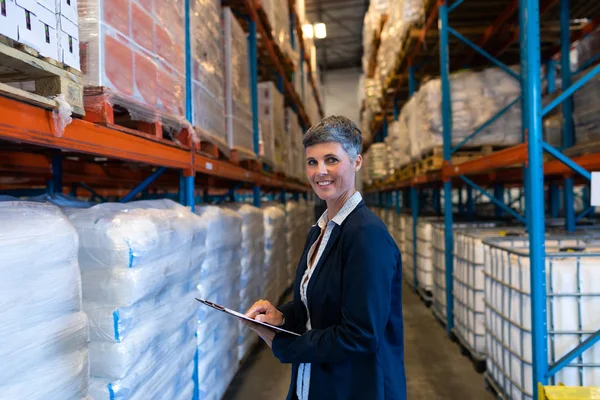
(397, 143)
(275, 252)
(294, 224)
(402, 14)
(586, 106)
(138, 291)
(377, 161)
(44, 333)
(475, 98)
(220, 277)
(252, 267)
(371, 26)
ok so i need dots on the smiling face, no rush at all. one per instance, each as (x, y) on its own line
(331, 171)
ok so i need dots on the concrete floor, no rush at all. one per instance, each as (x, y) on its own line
(435, 368)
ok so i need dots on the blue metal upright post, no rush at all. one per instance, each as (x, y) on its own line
(412, 82)
(189, 193)
(253, 64)
(398, 201)
(182, 198)
(396, 109)
(447, 135)
(529, 18)
(499, 195)
(57, 174)
(256, 196)
(384, 128)
(567, 108)
(414, 204)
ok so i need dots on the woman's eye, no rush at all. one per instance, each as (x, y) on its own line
(332, 160)
(311, 162)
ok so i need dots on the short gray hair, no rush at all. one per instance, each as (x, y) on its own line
(335, 129)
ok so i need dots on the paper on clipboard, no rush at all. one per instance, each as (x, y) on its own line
(242, 316)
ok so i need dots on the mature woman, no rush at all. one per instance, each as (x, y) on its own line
(347, 294)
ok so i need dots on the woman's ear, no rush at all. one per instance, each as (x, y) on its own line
(358, 163)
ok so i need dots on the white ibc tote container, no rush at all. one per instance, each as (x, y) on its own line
(573, 290)
(439, 263)
(469, 307)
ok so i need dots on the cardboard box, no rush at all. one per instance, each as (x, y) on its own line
(68, 9)
(8, 20)
(49, 40)
(28, 25)
(50, 5)
(68, 38)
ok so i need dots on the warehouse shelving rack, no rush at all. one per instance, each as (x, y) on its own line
(106, 162)
(501, 33)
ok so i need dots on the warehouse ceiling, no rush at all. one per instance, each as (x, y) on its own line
(342, 48)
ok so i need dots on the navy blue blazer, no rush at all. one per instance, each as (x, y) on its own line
(356, 346)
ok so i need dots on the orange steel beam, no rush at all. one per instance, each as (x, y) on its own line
(24, 123)
(252, 6)
(503, 158)
(544, 8)
(20, 122)
(590, 162)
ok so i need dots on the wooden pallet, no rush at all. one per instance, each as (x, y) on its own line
(103, 107)
(583, 148)
(433, 160)
(21, 66)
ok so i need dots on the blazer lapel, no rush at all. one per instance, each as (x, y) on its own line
(313, 235)
(335, 234)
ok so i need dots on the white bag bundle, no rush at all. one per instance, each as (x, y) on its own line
(275, 251)
(220, 279)
(138, 289)
(44, 333)
(252, 260)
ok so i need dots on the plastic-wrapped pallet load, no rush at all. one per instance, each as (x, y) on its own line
(469, 306)
(402, 14)
(586, 115)
(272, 124)
(397, 143)
(371, 25)
(208, 80)
(139, 264)
(406, 248)
(377, 160)
(238, 116)
(220, 279)
(275, 272)
(295, 235)
(278, 14)
(476, 97)
(572, 267)
(44, 331)
(252, 268)
(135, 54)
(439, 262)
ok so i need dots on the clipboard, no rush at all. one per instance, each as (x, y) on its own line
(242, 316)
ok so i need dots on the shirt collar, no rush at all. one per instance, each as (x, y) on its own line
(341, 216)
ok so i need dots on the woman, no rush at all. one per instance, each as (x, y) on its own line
(347, 293)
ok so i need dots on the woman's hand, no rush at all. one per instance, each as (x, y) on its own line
(264, 311)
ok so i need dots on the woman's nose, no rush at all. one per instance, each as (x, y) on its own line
(322, 168)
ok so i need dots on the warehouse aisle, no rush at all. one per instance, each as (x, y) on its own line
(434, 366)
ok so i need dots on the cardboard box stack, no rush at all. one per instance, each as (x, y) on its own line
(137, 51)
(49, 26)
(272, 125)
(238, 115)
